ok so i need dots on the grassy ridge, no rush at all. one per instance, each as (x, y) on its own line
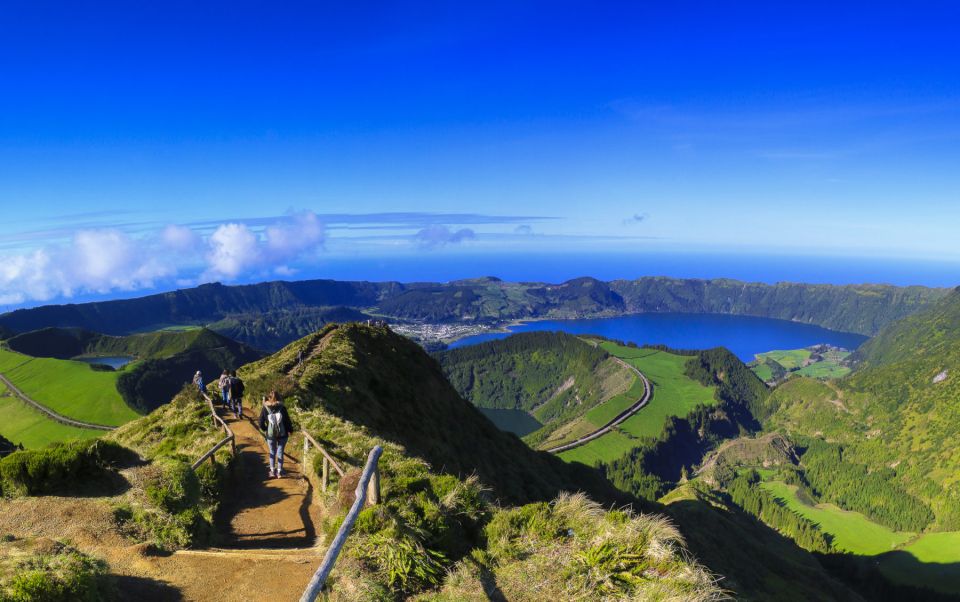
(674, 394)
(69, 388)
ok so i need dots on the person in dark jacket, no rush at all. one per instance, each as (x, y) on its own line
(276, 426)
(236, 394)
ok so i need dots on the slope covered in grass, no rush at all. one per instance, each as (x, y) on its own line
(897, 414)
(70, 388)
(447, 473)
(32, 429)
(555, 377)
(675, 394)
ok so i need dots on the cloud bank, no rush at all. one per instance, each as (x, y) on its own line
(105, 260)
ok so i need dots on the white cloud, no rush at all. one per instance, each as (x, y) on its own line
(234, 248)
(108, 260)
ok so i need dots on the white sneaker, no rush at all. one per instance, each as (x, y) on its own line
(272, 473)
(279, 473)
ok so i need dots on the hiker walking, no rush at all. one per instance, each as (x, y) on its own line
(276, 425)
(300, 358)
(236, 394)
(198, 381)
(224, 384)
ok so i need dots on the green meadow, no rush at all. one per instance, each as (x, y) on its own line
(763, 372)
(939, 554)
(927, 560)
(852, 532)
(791, 359)
(22, 424)
(674, 394)
(69, 388)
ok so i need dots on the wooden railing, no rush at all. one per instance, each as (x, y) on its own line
(369, 481)
(229, 438)
(328, 460)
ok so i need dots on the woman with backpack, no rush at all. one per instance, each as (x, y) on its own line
(276, 425)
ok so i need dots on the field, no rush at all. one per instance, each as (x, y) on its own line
(22, 424)
(852, 531)
(763, 372)
(790, 359)
(939, 554)
(930, 559)
(69, 388)
(673, 395)
(793, 361)
(824, 369)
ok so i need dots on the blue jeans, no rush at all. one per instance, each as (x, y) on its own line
(276, 452)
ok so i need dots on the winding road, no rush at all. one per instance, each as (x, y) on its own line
(50, 413)
(618, 419)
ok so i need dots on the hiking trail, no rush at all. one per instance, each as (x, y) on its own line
(268, 547)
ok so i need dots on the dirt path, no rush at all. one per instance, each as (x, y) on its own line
(618, 419)
(260, 512)
(53, 415)
(268, 549)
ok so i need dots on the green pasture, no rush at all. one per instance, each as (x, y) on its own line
(608, 410)
(22, 424)
(824, 369)
(852, 532)
(674, 394)
(69, 388)
(762, 371)
(609, 447)
(790, 359)
(931, 560)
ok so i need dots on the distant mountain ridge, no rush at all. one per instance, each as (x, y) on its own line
(863, 309)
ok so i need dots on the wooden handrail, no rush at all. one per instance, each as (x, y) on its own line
(217, 421)
(369, 485)
(212, 451)
(328, 460)
(326, 454)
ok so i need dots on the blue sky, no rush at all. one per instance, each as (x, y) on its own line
(144, 148)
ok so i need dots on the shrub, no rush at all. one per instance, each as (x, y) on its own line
(65, 576)
(60, 467)
(175, 488)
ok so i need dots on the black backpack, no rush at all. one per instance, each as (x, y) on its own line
(236, 388)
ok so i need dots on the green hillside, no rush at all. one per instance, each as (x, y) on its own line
(32, 429)
(757, 563)
(675, 394)
(175, 357)
(78, 391)
(897, 414)
(928, 333)
(363, 386)
(271, 330)
(268, 314)
(67, 343)
(555, 377)
(69, 388)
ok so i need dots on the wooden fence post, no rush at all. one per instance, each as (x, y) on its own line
(326, 473)
(373, 487)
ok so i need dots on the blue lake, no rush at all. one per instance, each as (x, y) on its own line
(745, 336)
(115, 362)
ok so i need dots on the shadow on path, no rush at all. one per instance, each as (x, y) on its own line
(261, 512)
